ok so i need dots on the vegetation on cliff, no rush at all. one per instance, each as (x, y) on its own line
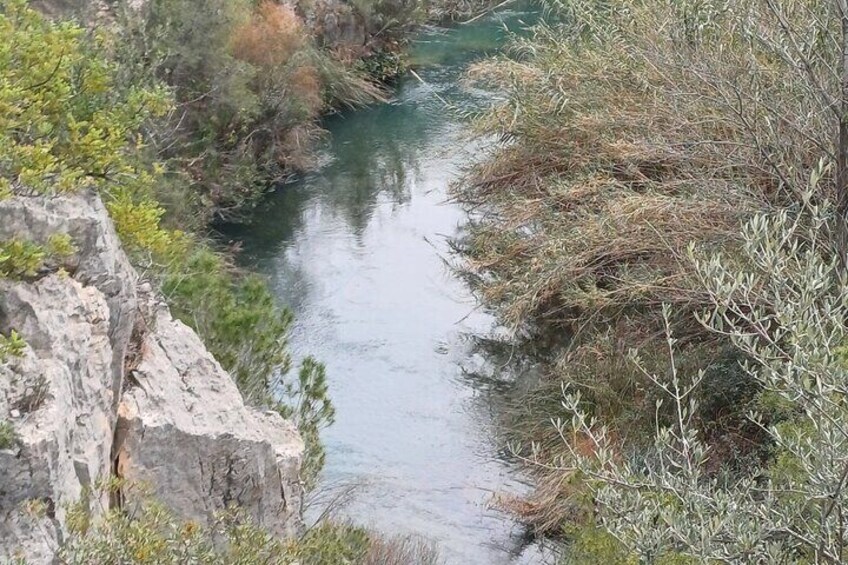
(249, 83)
(671, 180)
(149, 533)
(71, 122)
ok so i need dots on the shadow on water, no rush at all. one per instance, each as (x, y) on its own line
(355, 250)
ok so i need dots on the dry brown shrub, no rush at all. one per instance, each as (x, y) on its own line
(271, 37)
(557, 498)
(408, 550)
(559, 495)
(305, 85)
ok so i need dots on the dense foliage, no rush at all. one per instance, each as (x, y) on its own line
(70, 122)
(65, 123)
(660, 160)
(250, 83)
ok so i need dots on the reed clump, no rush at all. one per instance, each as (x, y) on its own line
(629, 135)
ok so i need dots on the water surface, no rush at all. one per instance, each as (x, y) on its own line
(357, 251)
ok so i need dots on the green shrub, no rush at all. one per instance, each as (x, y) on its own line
(308, 404)
(13, 345)
(783, 306)
(21, 258)
(385, 65)
(149, 533)
(328, 543)
(65, 123)
(60, 246)
(589, 544)
(138, 223)
(8, 437)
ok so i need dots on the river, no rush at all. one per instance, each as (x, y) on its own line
(357, 250)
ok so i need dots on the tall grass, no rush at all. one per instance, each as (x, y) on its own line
(628, 132)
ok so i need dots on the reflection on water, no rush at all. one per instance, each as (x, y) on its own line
(356, 250)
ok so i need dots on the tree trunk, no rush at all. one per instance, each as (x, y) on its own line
(842, 149)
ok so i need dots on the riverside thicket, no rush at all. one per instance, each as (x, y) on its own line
(671, 180)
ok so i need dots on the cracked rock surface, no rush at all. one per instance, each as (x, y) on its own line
(178, 424)
(184, 430)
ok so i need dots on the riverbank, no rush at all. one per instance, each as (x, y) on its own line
(646, 233)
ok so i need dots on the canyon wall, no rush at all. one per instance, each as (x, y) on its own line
(111, 385)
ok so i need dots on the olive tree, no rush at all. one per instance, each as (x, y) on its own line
(783, 302)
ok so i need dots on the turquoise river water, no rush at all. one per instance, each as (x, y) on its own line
(357, 250)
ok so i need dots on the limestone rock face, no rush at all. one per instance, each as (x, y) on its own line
(176, 421)
(99, 261)
(184, 430)
(61, 397)
(58, 397)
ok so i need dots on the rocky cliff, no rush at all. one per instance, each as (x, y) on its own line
(111, 385)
